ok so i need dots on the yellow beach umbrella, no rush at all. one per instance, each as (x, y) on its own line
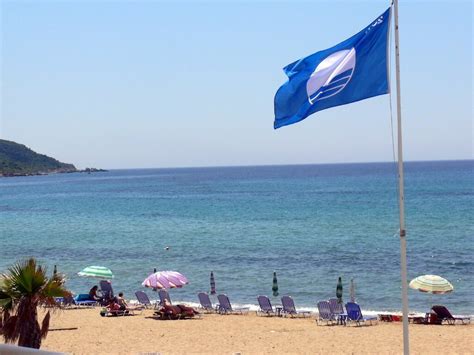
(431, 284)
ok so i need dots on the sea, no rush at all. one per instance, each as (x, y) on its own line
(311, 224)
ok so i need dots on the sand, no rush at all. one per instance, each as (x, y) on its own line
(84, 331)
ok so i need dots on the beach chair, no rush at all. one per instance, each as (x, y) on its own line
(106, 291)
(354, 315)
(130, 311)
(81, 300)
(164, 295)
(265, 306)
(417, 318)
(336, 306)
(143, 299)
(206, 303)
(337, 309)
(289, 308)
(325, 314)
(444, 314)
(226, 308)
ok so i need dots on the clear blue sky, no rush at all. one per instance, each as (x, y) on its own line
(117, 84)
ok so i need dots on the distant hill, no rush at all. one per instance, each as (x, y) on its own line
(17, 159)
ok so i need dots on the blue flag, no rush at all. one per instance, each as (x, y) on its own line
(353, 70)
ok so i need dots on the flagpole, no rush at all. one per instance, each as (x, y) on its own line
(403, 243)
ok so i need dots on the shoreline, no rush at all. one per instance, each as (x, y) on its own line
(54, 172)
(253, 307)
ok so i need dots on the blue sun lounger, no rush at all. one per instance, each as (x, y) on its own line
(325, 314)
(206, 303)
(143, 299)
(226, 308)
(337, 309)
(289, 308)
(164, 295)
(354, 315)
(265, 306)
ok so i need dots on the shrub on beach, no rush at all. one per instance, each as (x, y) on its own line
(24, 288)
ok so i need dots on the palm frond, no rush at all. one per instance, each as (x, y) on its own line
(10, 329)
(26, 277)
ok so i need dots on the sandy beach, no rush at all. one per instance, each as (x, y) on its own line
(84, 331)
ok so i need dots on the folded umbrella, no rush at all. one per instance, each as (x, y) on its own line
(339, 290)
(275, 284)
(213, 284)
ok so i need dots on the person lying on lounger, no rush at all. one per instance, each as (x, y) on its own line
(168, 311)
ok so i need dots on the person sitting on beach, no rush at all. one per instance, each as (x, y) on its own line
(113, 307)
(121, 302)
(93, 294)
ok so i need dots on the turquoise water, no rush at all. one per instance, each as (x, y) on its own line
(310, 223)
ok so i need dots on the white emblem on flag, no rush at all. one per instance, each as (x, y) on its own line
(331, 75)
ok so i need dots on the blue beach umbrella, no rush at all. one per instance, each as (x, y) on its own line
(213, 284)
(275, 284)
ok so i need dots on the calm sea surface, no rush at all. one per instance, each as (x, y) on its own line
(309, 223)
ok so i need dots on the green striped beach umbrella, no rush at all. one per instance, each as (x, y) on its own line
(100, 272)
(431, 284)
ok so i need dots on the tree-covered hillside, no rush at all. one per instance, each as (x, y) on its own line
(17, 159)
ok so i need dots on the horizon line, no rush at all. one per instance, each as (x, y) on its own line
(295, 164)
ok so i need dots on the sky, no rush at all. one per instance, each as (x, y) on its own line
(149, 84)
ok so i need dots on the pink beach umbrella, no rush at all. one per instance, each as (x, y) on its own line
(165, 279)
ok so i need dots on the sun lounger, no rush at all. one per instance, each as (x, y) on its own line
(325, 314)
(336, 306)
(81, 300)
(206, 303)
(106, 291)
(130, 311)
(164, 295)
(143, 299)
(265, 306)
(417, 318)
(289, 308)
(337, 309)
(114, 309)
(354, 315)
(444, 314)
(226, 308)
